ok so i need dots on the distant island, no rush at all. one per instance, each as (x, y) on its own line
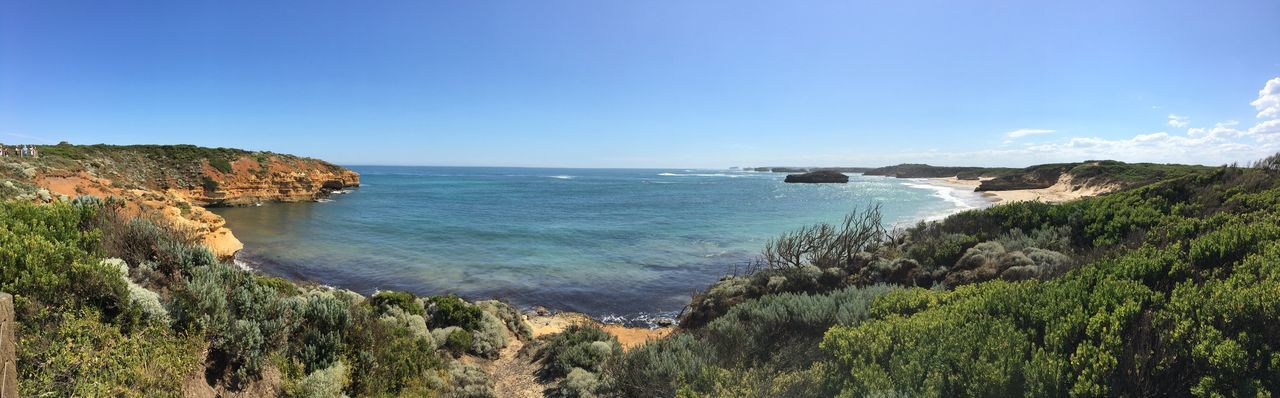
(819, 177)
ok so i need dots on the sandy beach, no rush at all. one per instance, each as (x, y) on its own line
(1063, 191)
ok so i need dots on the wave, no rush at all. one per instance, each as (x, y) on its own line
(955, 196)
(642, 319)
(702, 175)
(322, 200)
(561, 177)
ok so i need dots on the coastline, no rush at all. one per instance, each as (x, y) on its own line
(1058, 193)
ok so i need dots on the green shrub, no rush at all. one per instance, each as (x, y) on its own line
(325, 383)
(221, 164)
(148, 301)
(77, 354)
(784, 329)
(448, 311)
(454, 339)
(388, 358)
(578, 346)
(659, 368)
(579, 384)
(510, 316)
(324, 323)
(468, 381)
(209, 184)
(490, 337)
(403, 300)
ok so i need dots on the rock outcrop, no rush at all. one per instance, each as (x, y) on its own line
(278, 180)
(178, 182)
(825, 176)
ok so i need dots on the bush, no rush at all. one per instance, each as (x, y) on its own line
(221, 164)
(387, 358)
(448, 311)
(403, 300)
(77, 354)
(453, 339)
(209, 184)
(324, 323)
(784, 329)
(490, 338)
(578, 346)
(658, 368)
(148, 301)
(325, 383)
(468, 381)
(513, 319)
(579, 384)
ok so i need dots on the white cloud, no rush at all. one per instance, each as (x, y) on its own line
(1223, 143)
(1019, 133)
(1266, 130)
(1268, 102)
(1179, 121)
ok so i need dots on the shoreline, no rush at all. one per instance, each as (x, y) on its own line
(1058, 193)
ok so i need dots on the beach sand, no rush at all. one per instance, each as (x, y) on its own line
(1063, 191)
(627, 336)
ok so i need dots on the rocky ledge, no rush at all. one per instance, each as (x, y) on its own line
(825, 176)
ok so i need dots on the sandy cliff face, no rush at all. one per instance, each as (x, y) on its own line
(252, 179)
(277, 180)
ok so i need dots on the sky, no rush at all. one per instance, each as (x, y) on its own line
(652, 83)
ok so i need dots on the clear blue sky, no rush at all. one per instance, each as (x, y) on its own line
(649, 83)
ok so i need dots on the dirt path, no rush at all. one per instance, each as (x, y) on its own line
(513, 374)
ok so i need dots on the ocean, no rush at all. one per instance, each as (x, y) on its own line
(618, 244)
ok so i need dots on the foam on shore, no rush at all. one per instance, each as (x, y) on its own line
(962, 197)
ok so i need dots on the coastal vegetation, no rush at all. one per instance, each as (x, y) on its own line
(114, 305)
(1170, 289)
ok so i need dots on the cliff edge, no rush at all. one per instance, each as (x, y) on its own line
(175, 182)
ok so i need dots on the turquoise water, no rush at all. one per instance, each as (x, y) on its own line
(599, 241)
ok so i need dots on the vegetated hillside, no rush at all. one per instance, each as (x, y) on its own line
(1169, 289)
(916, 170)
(206, 176)
(110, 305)
(1093, 173)
(176, 181)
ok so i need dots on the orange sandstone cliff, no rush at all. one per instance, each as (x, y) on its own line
(174, 182)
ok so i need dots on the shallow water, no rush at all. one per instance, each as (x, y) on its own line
(599, 241)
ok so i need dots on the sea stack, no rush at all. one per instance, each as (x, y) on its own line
(822, 176)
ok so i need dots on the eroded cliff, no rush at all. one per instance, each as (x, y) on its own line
(174, 182)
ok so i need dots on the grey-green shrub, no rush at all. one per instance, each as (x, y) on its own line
(657, 368)
(490, 337)
(786, 327)
(578, 346)
(147, 300)
(468, 381)
(510, 316)
(415, 323)
(580, 383)
(454, 339)
(324, 322)
(325, 383)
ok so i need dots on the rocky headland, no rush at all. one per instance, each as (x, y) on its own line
(173, 182)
